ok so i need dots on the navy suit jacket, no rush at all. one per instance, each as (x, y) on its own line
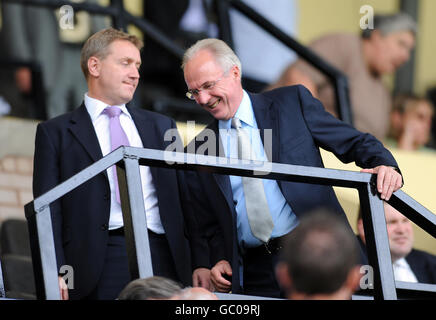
(423, 265)
(66, 145)
(300, 126)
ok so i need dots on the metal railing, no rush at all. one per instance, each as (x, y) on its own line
(128, 160)
(338, 79)
(121, 19)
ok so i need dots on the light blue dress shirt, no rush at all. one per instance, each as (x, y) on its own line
(282, 215)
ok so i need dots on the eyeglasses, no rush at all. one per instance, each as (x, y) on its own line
(193, 93)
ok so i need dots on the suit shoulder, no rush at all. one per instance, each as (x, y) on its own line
(416, 254)
(152, 115)
(288, 92)
(58, 121)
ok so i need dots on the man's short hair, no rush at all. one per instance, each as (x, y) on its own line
(320, 253)
(390, 23)
(223, 54)
(98, 45)
(150, 288)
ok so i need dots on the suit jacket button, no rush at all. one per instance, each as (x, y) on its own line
(106, 196)
(104, 227)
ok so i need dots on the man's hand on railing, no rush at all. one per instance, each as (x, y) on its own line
(201, 278)
(389, 180)
(63, 288)
(219, 273)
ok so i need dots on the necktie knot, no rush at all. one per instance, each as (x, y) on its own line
(112, 111)
(236, 123)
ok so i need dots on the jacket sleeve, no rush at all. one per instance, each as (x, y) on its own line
(334, 135)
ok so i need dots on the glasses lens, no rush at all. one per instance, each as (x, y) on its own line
(190, 95)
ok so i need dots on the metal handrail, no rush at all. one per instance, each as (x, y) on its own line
(339, 79)
(121, 18)
(128, 160)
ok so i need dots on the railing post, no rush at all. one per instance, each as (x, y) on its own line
(135, 222)
(2, 284)
(377, 243)
(43, 252)
(343, 103)
(224, 25)
(119, 20)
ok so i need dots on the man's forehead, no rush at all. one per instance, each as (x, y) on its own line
(202, 62)
(123, 47)
(393, 214)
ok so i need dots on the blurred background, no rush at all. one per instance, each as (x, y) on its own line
(40, 74)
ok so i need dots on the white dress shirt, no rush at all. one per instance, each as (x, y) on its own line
(100, 122)
(403, 272)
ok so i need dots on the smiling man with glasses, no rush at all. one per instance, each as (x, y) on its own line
(243, 220)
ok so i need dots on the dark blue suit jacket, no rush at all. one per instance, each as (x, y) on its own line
(66, 145)
(300, 126)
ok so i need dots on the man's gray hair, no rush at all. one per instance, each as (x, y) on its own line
(390, 23)
(224, 55)
(154, 287)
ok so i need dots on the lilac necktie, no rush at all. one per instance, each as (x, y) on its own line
(118, 138)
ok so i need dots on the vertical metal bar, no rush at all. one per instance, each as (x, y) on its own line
(2, 283)
(119, 20)
(43, 253)
(225, 29)
(405, 75)
(339, 80)
(377, 244)
(135, 222)
(343, 102)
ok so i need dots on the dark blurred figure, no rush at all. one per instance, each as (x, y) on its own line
(320, 259)
(183, 21)
(34, 34)
(431, 95)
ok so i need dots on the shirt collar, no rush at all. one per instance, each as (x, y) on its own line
(402, 263)
(244, 113)
(95, 107)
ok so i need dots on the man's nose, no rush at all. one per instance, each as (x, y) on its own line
(202, 97)
(134, 72)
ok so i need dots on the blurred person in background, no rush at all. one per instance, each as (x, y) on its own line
(411, 118)
(409, 264)
(320, 259)
(364, 60)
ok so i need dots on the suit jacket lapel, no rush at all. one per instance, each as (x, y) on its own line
(81, 127)
(148, 134)
(146, 129)
(266, 118)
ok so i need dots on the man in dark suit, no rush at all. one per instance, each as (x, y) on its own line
(297, 126)
(88, 223)
(409, 265)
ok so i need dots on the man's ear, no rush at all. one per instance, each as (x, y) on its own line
(361, 230)
(235, 72)
(376, 35)
(94, 66)
(283, 277)
(396, 118)
(353, 279)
